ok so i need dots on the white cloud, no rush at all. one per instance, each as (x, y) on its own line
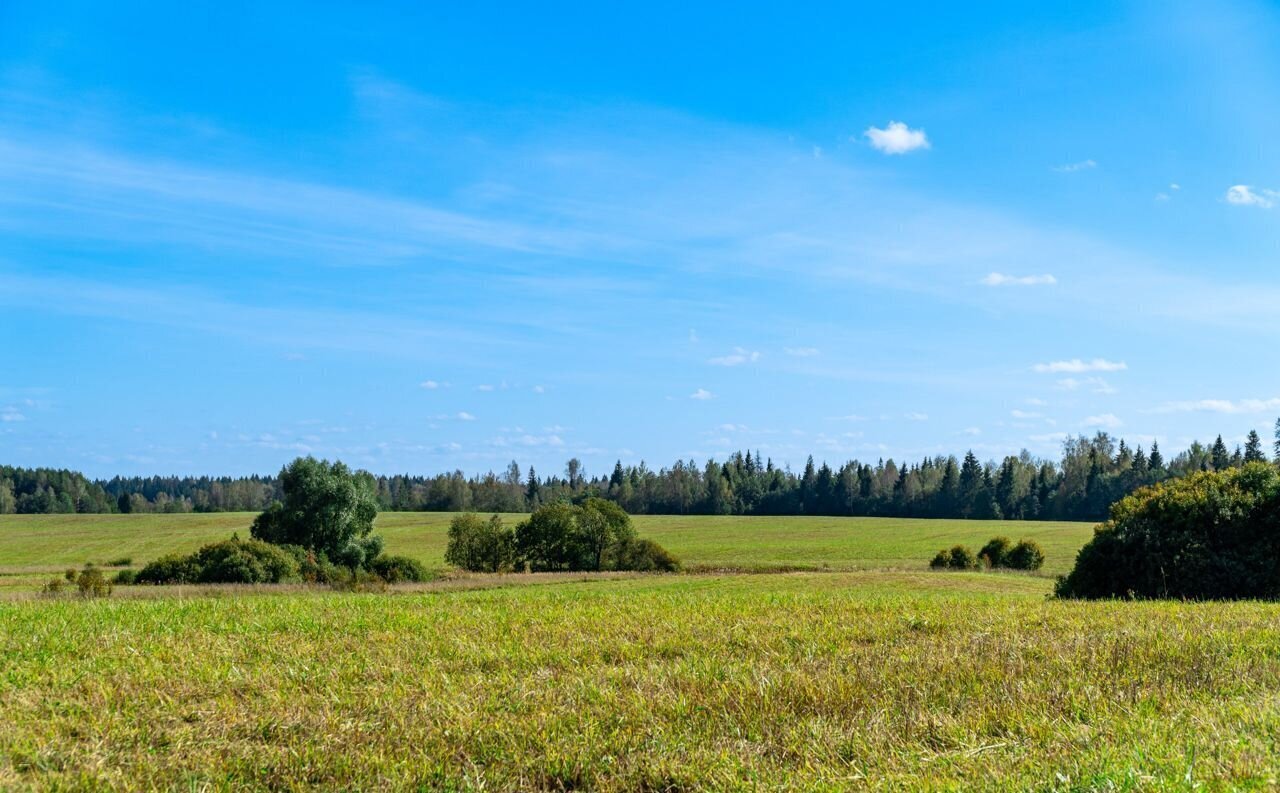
(897, 138)
(849, 417)
(539, 389)
(1221, 406)
(701, 394)
(430, 385)
(1095, 384)
(465, 416)
(484, 387)
(738, 357)
(1038, 402)
(1000, 279)
(1246, 195)
(916, 416)
(971, 431)
(11, 415)
(1104, 421)
(1077, 366)
(1072, 167)
(801, 352)
(1024, 414)
(1048, 437)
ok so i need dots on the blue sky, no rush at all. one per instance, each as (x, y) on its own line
(421, 238)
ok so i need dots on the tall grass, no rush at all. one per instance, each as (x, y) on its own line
(809, 681)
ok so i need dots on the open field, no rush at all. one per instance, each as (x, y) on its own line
(48, 543)
(886, 680)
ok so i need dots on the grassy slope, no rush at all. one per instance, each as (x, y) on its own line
(827, 681)
(52, 542)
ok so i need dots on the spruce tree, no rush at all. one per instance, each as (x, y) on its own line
(1253, 448)
(1220, 456)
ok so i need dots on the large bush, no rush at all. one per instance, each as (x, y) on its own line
(480, 545)
(233, 561)
(594, 535)
(1211, 535)
(326, 509)
(399, 570)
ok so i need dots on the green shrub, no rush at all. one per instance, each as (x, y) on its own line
(234, 561)
(71, 574)
(125, 578)
(941, 560)
(399, 570)
(1211, 535)
(54, 587)
(1026, 555)
(646, 556)
(962, 558)
(172, 568)
(123, 561)
(480, 545)
(995, 552)
(92, 583)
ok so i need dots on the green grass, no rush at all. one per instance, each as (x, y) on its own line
(819, 681)
(48, 543)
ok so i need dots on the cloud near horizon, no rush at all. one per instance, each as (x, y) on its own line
(1078, 366)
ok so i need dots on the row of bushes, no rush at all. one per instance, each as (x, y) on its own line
(237, 561)
(594, 535)
(999, 552)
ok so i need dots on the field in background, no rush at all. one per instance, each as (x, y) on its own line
(813, 680)
(48, 543)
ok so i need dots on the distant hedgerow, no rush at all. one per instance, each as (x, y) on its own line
(233, 561)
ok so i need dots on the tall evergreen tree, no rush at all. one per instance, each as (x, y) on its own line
(1219, 455)
(1253, 448)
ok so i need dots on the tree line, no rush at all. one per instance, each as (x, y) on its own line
(1091, 474)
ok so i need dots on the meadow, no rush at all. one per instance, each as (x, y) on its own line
(866, 671)
(48, 543)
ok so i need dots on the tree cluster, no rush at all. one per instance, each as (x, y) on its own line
(1211, 535)
(595, 534)
(1091, 474)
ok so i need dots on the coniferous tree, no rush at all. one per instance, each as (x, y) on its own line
(1219, 455)
(1253, 448)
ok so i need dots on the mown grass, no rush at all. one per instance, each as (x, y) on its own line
(882, 680)
(47, 543)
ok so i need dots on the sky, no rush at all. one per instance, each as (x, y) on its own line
(426, 237)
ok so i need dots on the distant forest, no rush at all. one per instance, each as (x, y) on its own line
(1091, 474)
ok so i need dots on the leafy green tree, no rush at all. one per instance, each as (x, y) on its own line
(326, 509)
(602, 526)
(480, 545)
(8, 504)
(548, 539)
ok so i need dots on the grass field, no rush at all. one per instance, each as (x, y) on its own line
(867, 671)
(48, 543)
(888, 680)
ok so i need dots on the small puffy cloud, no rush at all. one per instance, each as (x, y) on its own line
(1073, 167)
(701, 394)
(1077, 366)
(484, 387)
(465, 416)
(1221, 406)
(801, 352)
(1095, 384)
(1048, 437)
(1000, 279)
(1024, 414)
(1107, 421)
(430, 385)
(738, 357)
(539, 389)
(897, 138)
(11, 415)
(1246, 195)
(916, 416)
(971, 431)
